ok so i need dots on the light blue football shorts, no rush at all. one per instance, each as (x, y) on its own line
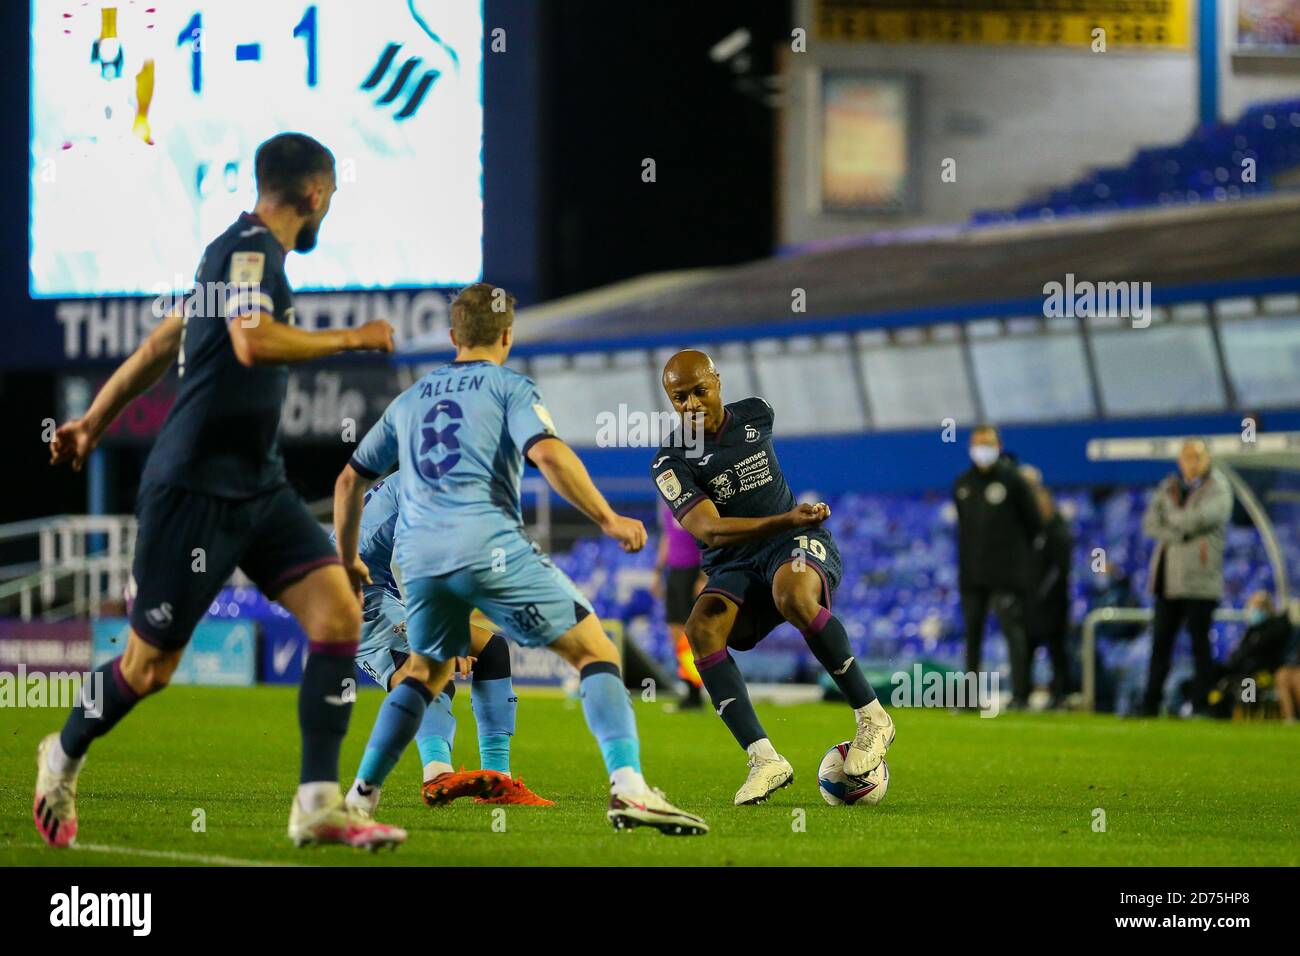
(531, 600)
(383, 647)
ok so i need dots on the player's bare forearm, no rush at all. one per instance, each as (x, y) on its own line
(349, 497)
(74, 440)
(565, 472)
(259, 340)
(139, 373)
(715, 531)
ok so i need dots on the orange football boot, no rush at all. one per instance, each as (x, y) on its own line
(446, 787)
(510, 790)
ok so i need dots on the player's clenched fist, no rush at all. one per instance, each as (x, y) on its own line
(628, 532)
(376, 335)
(73, 442)
(808, 515)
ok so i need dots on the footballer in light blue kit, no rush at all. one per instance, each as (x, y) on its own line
(382, 654)
(461, 435)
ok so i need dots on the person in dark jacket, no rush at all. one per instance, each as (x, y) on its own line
(1261, 649)
(1287, 676)
(1048, 619)
(997, 521)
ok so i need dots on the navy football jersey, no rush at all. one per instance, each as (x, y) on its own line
(221, 435)
(736, 468)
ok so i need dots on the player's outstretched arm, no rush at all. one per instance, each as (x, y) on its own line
(75, 440)
(349, 498)
(715, 531)
(565, 472)
(259, 340)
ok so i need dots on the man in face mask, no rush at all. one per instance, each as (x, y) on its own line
(997, 521)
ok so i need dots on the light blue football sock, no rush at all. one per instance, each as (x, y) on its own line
(494, 704)
(609, 715)
(437, 734)
(399, 717)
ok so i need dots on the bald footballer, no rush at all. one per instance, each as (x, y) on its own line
(768, 559)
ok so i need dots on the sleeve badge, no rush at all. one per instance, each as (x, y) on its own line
(669, 485)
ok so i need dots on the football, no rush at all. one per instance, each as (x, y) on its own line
(838, 788)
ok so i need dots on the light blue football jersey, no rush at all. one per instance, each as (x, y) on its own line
(375, 542)
(459, 435)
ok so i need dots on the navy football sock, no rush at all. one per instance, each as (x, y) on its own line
(110, 698)
(829, 643)
(324, 706)
(726, 687)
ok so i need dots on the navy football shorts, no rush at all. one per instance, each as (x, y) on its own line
(748, 582)
(189, 544)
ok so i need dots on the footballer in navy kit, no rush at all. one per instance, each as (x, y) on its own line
(214, 496)
(720, 475)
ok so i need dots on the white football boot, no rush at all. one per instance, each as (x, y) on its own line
(341, 823)
(869, 745)
(363, 798)
(766, 776)
(54, 807)
(650, 808)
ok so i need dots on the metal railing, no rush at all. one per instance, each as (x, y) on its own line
(92, 552)
(1121, 615)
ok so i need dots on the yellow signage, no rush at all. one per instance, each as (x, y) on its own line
(1124, 24)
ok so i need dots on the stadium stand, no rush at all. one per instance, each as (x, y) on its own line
(1203, 167)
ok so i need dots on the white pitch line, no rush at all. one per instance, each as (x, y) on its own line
(174, 855)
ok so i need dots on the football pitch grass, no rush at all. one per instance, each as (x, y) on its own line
(1018, 789)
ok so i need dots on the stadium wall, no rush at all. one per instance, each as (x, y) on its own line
(1003, 113)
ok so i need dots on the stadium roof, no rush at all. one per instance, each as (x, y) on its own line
(954, 267)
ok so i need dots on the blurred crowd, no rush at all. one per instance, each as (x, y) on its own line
(1014, 558)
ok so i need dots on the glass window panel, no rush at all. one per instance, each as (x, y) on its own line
(812, 392)
(917, 386)
(1033, 378)
(575, 397)
(1263, 358)
(1164, 368)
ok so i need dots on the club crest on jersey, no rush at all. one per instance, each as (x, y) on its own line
(246, 268)
(669, 485)
(751, 433)
(995, 493)
(721, 486)
(160, 616)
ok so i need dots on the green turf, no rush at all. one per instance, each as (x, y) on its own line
(1016, 789)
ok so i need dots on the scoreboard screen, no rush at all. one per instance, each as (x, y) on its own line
(145, 116)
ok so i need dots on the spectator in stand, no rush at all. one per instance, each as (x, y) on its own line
(1287, 677)
(997, 522)
(1260, 651)
(678, 580)
(1187, 517)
